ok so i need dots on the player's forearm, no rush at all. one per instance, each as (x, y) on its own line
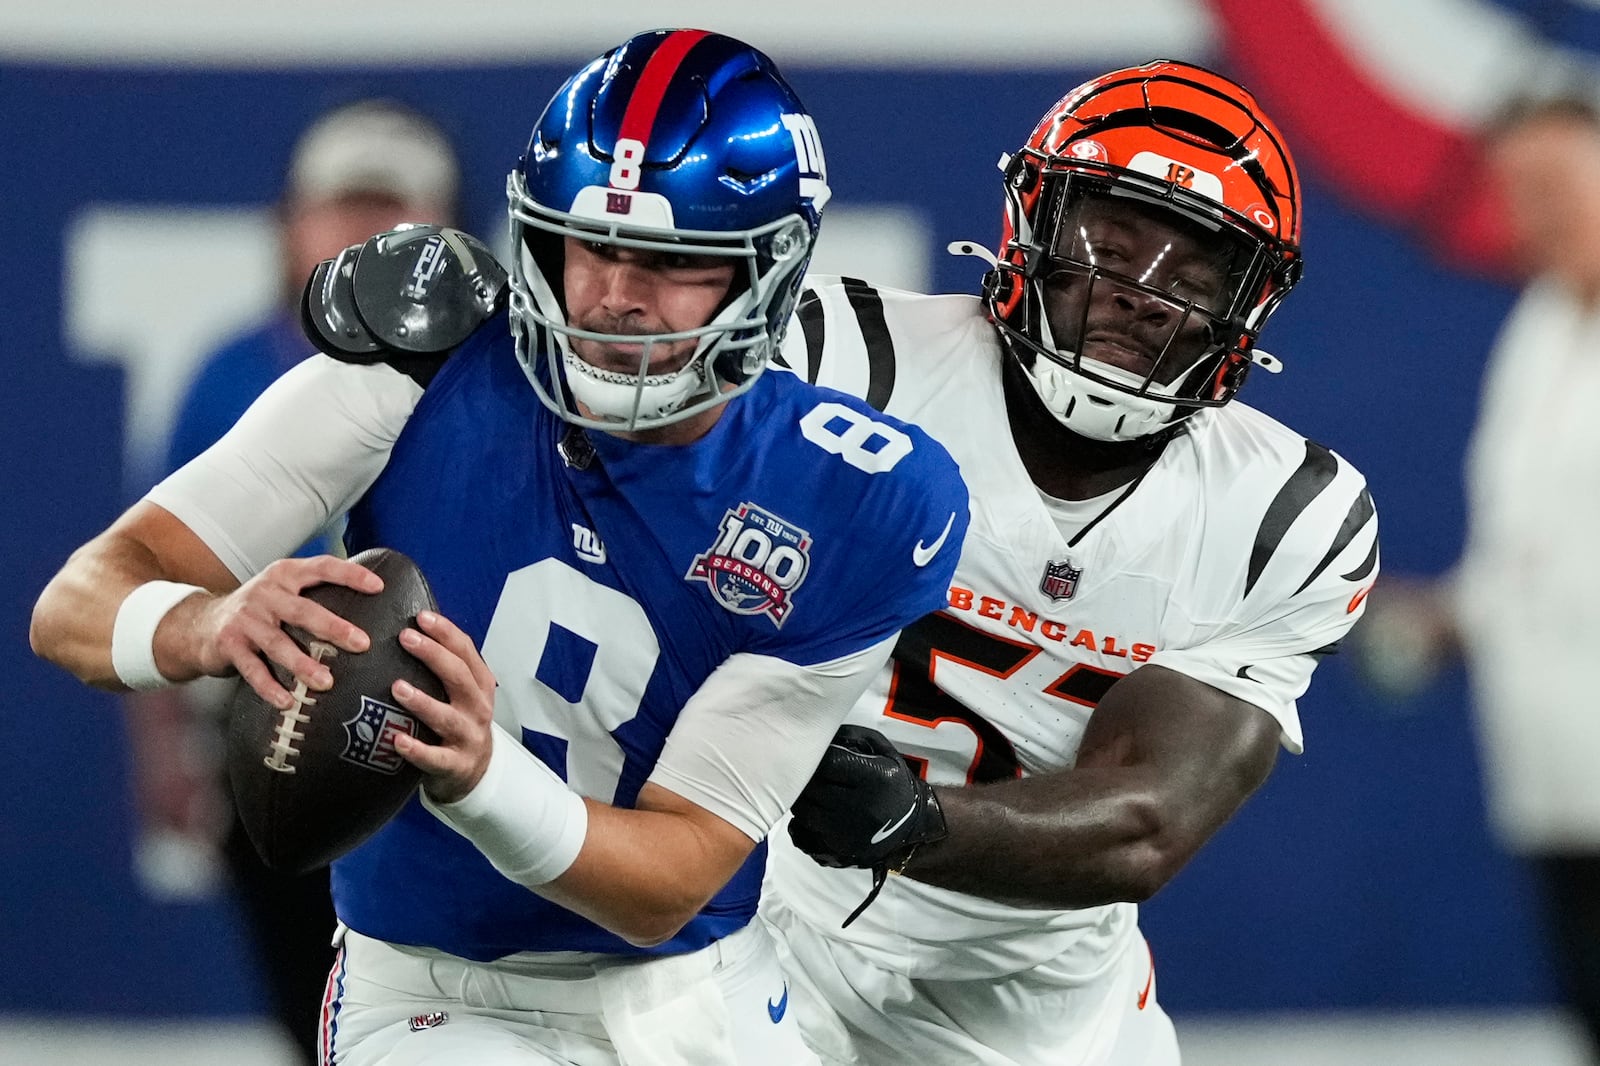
(1074, 839)
(73, 618)
(76, 614)
(641, 874)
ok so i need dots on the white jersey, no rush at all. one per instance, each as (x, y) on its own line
(1240, 557)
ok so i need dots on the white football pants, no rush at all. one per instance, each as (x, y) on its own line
(854, 1012)
(725, 1005)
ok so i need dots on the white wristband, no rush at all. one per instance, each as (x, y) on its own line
(524, 818)
(133, 634)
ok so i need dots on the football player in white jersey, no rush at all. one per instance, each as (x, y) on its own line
(1151, 575)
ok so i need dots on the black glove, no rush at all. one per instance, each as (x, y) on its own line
(865, 807)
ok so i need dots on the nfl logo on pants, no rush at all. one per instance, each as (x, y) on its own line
(1060, 579)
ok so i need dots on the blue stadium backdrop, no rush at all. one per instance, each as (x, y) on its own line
(1361, 875)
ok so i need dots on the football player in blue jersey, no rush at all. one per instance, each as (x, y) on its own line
(663, 575)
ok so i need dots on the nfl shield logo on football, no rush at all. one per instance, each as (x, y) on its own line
(369, 736)
(1060, 579)
(756, 564)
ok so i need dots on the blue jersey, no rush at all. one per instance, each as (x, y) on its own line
(606, 580)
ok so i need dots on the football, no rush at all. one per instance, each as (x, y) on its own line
(312, 782)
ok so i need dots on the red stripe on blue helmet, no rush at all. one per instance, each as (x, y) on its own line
(659, 70)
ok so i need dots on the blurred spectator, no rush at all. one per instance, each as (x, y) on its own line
(1522, 605)
(358, 170)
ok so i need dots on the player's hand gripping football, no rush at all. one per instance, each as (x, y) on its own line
(464, 723)
(237, 632)
(864, 806)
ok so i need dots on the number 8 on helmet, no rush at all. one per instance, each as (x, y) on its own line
(677, 143)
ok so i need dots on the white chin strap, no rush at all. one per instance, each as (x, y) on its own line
(1091, 409)
(622, 396)
(1097, 411)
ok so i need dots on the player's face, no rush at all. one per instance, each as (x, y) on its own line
(1123, 325)
(636, 291)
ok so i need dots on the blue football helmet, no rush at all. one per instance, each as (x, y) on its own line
(681, 142)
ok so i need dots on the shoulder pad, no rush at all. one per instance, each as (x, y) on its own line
(415, 290)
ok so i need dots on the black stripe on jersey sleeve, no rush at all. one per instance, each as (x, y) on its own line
(1358, 515)
(1366, 564)
(868, 306)
(1314, 474)
(811, 324)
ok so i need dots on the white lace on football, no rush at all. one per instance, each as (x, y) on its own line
(286, 736)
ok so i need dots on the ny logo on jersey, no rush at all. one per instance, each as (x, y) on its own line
(587, 544)
(1060, 579)
(369, 736)
(756, 564)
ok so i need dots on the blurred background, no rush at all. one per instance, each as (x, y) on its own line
(1359, 909)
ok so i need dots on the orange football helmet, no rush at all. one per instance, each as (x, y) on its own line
(1152, 226)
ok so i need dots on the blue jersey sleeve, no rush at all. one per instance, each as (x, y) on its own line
(893, 515)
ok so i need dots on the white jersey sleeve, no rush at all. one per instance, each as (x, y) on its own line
(1281, 573)
(749, 738)
(849, 335)
(300, 456)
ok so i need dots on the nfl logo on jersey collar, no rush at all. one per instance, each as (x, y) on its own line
(756, 564)
(1060, 579)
